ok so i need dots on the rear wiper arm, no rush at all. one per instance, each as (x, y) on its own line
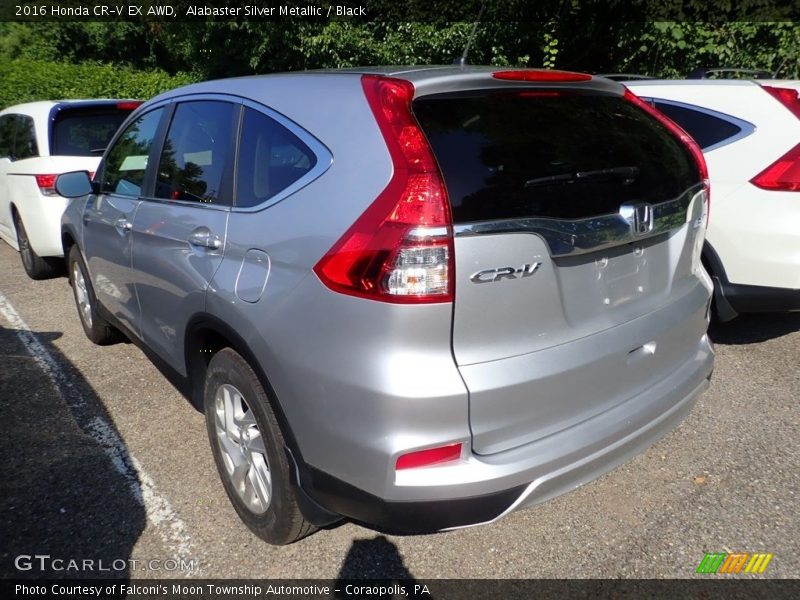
(626, 172)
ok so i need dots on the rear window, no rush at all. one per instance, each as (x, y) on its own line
(550, 154)
(85, 131)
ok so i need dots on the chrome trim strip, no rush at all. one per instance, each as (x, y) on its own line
(573, 237)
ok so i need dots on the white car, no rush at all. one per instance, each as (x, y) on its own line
(38, 141)
(749, 131)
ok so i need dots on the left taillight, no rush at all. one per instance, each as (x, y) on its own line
(46, 184)
(400, 249)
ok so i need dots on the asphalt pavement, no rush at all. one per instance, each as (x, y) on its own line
(103, 460)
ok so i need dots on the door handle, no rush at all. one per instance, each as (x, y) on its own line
(204, 238)
(124, 224)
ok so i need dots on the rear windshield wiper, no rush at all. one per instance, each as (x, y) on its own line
(624, 172)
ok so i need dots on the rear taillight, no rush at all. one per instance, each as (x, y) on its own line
(401, 248)
(429, 457)
(46, 184)
(541, 76)
(678, 131)
(789, 97)
(131, 105)
(782, 175)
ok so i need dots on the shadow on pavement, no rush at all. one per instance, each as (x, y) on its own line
(754, 328)
(375, 563)
(70, 492)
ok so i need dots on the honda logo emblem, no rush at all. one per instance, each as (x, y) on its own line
(639, 217)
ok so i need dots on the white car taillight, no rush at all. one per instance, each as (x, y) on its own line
(46, 184)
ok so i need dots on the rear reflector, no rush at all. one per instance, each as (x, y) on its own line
(541, 75)
(431, 456)
(782, 175)
(401, 248)
(789, 97)
(678, 131)
(46, 184)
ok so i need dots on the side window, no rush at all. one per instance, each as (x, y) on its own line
(707, 130)
(196, 153)
(7, 126)
(126, 162)
(25, 140)
(271, 158)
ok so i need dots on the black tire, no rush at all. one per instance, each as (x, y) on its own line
(95, 327)
(274, 514)
(35, 266)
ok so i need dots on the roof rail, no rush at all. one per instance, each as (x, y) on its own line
(624, 76)
(725, 72)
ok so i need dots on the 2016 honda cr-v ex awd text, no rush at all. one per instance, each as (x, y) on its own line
(417, 298)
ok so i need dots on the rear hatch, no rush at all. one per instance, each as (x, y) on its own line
(574, 212)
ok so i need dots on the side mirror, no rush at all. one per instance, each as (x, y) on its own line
(74, 184)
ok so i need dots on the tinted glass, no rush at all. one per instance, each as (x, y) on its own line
(196, 153)
(706, 129)
(550, 154)
(25, 139)
(85, 132)
(7, 126)
(126, 162)
(271, 158)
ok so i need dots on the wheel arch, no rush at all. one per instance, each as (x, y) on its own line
(712, 263)
(68, 240)
(205, 336)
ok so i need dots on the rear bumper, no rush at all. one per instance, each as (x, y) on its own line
(41, 216)
(524, 475)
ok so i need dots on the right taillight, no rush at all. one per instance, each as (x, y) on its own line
(678, 131)
(401, 248)
(782, 175)
(789, 97)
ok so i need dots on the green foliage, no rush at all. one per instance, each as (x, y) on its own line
(47, 60)
(24, 80)
(672, 49)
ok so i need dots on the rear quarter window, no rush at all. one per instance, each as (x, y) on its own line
(707, 130)
(271, 158)
(523, 154)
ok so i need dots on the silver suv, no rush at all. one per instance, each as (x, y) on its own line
(418, 298)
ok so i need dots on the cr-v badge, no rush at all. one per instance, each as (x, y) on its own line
(491, 275)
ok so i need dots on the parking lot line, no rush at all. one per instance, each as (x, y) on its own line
(170, 527)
